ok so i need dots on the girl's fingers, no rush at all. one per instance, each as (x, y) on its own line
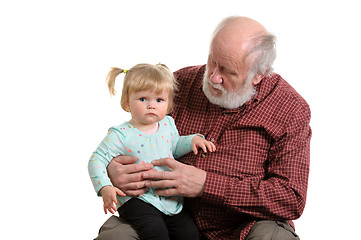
(195, 150)
(211, 147)
(120, 192)
(203, 146)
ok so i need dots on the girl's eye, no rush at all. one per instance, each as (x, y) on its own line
(142, 99)
(159, 100)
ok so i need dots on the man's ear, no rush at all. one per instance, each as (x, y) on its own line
(257, 79)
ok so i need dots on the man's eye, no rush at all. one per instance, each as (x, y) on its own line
(142, 99)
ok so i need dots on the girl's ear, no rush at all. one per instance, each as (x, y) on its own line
(126, 107)
(170, 107)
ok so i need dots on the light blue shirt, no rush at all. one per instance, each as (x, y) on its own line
(127, 140)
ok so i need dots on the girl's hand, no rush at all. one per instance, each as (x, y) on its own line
(198, 141)
(109, 194)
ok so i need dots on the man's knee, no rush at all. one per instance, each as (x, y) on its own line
(115, 228)
(272, 230)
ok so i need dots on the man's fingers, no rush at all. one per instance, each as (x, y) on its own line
(161, 184)
(169, 162)
(135, 193)
(123, 159)
(167, 192)
(158, 175)
(136, 179)
(138, 167)
(135, 185)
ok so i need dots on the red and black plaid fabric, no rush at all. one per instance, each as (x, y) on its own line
(261, 165)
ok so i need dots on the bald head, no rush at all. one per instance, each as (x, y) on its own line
(234, 34)
(245, 41)
(242, 26)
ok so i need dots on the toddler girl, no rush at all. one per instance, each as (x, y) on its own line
(147, 93)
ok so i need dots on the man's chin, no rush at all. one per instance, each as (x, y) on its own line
(215, 94)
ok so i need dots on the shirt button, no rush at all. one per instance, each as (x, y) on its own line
(212, 139)
(203, 155)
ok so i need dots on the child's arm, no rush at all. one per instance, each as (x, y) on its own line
(199, 142)
(182, 145)
(110, 147)
(109, 194)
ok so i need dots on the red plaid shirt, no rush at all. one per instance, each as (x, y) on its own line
(261, 165)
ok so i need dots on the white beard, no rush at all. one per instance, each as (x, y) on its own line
(231, 99)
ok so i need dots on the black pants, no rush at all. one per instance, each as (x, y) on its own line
(150, 223)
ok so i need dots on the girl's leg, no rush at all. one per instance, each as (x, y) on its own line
(181, 226)
(145, 219)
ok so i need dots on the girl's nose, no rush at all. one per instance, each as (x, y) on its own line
(150, 105)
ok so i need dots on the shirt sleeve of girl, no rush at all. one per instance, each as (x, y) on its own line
(110, 146)
(181, 145)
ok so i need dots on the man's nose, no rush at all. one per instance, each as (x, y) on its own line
(216, 77)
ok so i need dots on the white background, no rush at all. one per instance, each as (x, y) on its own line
(55, 107)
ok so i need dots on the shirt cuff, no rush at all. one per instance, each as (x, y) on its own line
(101, 182)
(197, 134)
(215, 188)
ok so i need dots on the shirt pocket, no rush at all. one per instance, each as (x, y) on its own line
(243, 151)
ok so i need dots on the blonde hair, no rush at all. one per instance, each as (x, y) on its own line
(143, 77)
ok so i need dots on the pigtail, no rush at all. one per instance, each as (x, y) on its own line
(112, 75)
(162, 65)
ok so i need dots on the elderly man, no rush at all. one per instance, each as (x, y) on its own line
(255, 183)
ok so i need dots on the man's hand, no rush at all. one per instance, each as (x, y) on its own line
(183, 180)
(127, 176)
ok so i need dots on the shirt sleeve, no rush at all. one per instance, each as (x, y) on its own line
(281, 194)
(110, 147)
(181, 145)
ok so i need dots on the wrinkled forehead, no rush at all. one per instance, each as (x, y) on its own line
(226, 55)
(234, 39)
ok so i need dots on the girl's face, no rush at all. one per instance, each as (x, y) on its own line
(148, 108)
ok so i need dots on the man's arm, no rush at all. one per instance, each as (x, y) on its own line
(280, 194)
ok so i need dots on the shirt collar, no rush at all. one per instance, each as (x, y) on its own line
(266, 86)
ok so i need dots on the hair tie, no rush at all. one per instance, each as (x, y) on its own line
(125, 71)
